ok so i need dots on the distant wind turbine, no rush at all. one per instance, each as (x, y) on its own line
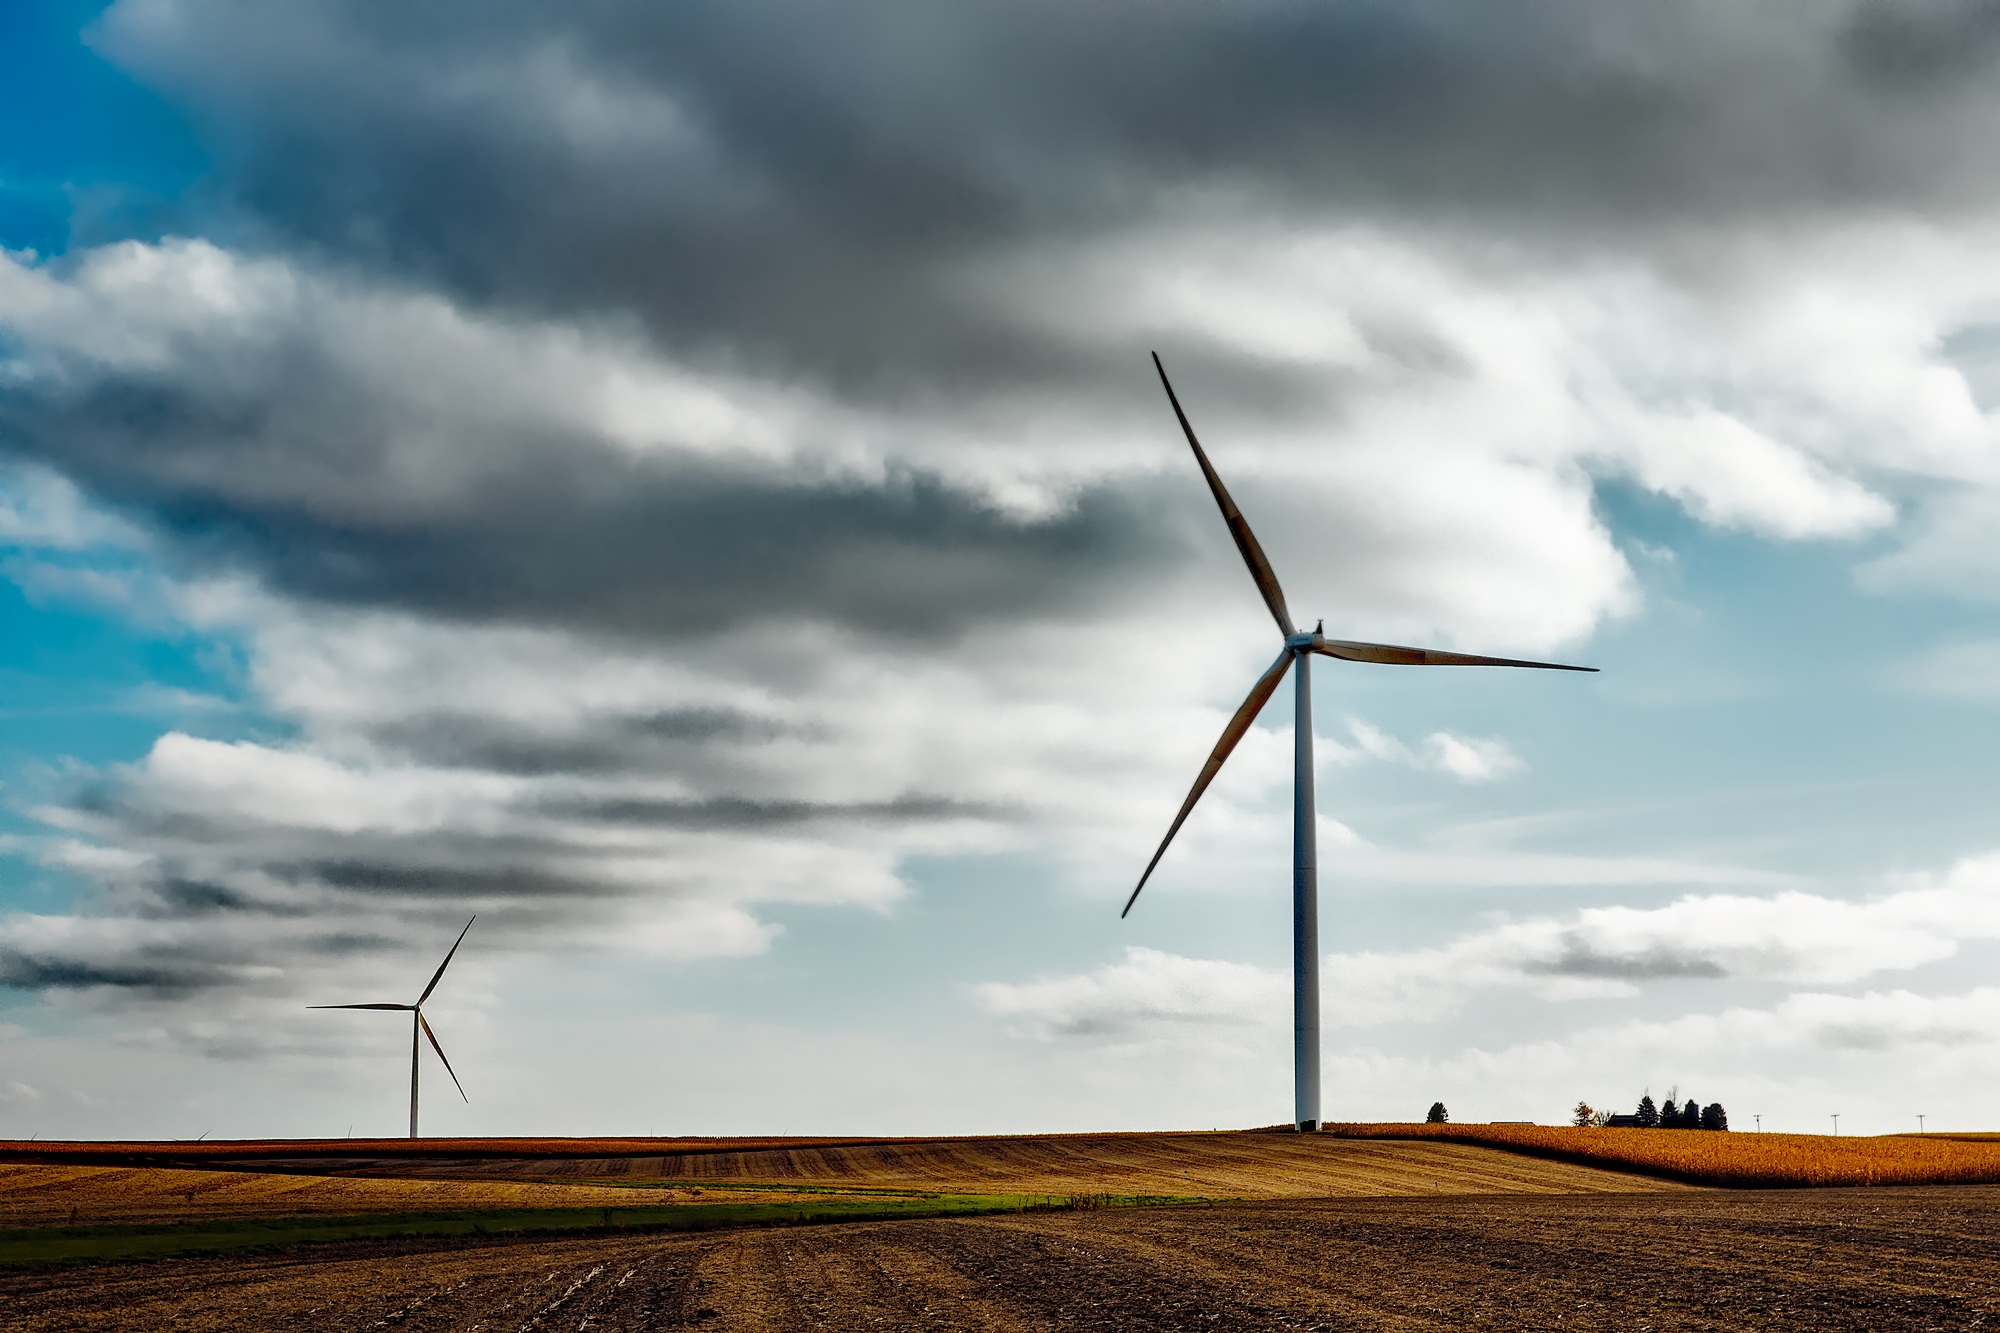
(419, 1025)
(1305, 862)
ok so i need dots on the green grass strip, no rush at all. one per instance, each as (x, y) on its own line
(714, 1186)
(44, 1246)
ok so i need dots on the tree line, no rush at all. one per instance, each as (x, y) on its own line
(1688, 1114)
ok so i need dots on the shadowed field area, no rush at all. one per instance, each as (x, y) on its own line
(1697, 1260)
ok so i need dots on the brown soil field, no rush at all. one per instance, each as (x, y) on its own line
(156, 1152)
(42, 1195)
(1218, 1165)
(1836, 1260)
(1222, 1165)
(1732, 1160)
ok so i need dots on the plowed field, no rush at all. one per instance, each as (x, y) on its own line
(1768, 1260)
(1221, 1165)
(1236, 1164)
(34, 1195)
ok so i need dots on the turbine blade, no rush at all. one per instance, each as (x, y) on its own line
(425, 1024)
(439, 974)
(1392, 655)
(1260, 694)
(361, 1006)
(1239, 527)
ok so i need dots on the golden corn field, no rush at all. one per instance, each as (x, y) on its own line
(1736, 1159)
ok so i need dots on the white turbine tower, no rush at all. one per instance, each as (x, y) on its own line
(1298, 648)
(418, 1026)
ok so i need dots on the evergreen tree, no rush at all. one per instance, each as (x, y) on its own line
(1670, 1114)
(1437, 1115)
(1649, 1114)
(1690, 1114)
(1714, 1117)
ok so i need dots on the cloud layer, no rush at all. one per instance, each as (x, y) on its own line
(657, 464)
(1791, 938)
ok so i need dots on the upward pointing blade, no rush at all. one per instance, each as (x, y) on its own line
(401, 1007)
(1239, 527)
(425, 1024)
(438, 975)
(1392, 655)
(1260, 694)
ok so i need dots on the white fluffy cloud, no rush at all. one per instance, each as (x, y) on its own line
(1147, 991)
(1467, 758)
(1600, 952)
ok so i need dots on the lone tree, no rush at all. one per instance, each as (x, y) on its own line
(1584, 1116)
(1437, 1115)
(1648, 1114)
(1714, 1117)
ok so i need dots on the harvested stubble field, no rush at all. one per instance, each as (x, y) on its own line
(39, 1195)
(1732, 1160)
(1214, 1165)
(1497, 1227)
(1695, 1260)
(1219, 1165)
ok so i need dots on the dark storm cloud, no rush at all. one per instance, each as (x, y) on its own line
(299, 475)
(738, 813)
(163, 973)
(699, 553)
(435, 872)
(1659, 962)
(799, 190)
(1914, 45)
(796, 180)
(603, 746)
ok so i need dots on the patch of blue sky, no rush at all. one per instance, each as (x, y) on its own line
(83, 685)
(83, 142)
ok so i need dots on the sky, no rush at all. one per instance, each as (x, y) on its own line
(686, 484)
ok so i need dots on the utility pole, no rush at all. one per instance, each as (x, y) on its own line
(1760, 1123)
(1836, 1126)
(1920, 1124)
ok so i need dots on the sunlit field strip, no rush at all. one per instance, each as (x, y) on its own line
(1734, 1159)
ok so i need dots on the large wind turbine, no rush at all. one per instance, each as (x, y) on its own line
(1305, 868)
(419, 1025)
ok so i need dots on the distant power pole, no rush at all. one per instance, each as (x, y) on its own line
(1920, 1124)
(1760, 1123)
(1836, 1125)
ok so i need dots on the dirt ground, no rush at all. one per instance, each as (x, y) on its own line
(1905, 1259)
(1220, 1165)
(1249, 1166)
(42, 1195)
